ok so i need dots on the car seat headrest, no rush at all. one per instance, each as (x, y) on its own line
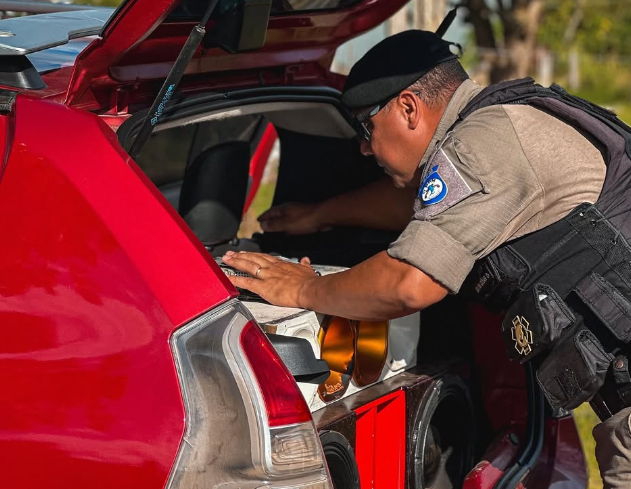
(214, 191)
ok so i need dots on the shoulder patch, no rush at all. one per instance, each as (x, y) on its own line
(442, 187)
(434, 189)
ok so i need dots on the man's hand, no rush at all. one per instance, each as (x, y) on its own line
(277, 281)
(378, 288)
(377, 205)
(293, 218)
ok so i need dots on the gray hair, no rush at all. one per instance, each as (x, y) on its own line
(436, 87)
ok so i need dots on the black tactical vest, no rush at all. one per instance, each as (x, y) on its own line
(566, 289)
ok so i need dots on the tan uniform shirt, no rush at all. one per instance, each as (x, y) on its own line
(506, 171)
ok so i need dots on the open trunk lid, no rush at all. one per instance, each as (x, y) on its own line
(142, 39)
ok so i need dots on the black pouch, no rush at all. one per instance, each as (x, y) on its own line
(607, 303)
(574, 370)
(535, 322)
(496, 279)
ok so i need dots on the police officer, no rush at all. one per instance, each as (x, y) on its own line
(473, 172)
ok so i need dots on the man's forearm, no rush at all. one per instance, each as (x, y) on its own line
(379, 288)
(378, 205)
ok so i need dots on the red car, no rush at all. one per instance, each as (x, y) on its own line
(130, 361)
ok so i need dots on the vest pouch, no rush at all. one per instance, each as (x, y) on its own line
(495, 280)
(574, 370)
(535, 322)
(611, 308)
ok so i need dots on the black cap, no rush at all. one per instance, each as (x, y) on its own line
(393, 65)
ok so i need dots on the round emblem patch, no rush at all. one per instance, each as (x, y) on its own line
(434, 188)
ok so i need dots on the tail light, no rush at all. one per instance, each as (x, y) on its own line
(283, 401)
(247, 424)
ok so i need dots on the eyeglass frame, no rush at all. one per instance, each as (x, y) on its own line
(359, 121)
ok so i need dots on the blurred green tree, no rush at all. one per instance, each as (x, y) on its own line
(593, 26)
(505, 33)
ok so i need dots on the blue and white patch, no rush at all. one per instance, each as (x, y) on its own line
(443, 186)
(434, 188)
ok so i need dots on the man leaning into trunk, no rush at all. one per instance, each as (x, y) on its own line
(477, 181)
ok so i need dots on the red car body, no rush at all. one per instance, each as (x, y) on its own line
(98, 271)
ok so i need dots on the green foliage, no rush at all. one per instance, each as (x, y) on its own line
(596, 29)
(554, 24)
(603, 26)
(605, 80)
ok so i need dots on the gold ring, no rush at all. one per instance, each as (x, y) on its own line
(258, 270)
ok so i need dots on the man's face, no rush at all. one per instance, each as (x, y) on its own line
(399, 137)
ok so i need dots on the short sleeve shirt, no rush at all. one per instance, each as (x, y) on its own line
(505, 171)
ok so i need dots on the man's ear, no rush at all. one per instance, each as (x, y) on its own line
(414, 108)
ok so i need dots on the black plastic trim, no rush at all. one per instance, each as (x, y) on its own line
(298, 357)
(19, 72)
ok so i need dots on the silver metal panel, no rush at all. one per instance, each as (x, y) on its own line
(24, 35)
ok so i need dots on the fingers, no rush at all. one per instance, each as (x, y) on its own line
(281, 218)
(305, 261)
(251, 263)
(273, 213)
(272, 225)
(260, 258)
(248, 283)
(250, 267)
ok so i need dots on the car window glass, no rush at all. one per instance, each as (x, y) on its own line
(166, 153)
(165, 157)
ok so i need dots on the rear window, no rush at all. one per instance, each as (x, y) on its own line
(194, 9)
(168, 153)
(165, 156)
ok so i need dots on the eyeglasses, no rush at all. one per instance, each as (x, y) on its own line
(360, 121)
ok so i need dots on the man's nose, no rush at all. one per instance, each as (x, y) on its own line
(364, 147)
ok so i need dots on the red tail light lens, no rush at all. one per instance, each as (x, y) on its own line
(283, 401)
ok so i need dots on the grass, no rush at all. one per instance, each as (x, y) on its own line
(624, 111)
(262, 201)
(586, 419)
